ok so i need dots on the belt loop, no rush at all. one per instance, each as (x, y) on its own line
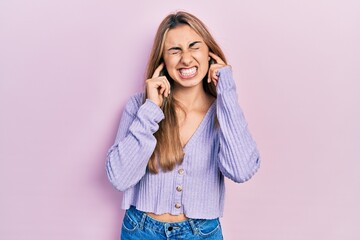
(193, 226)
(142, 221)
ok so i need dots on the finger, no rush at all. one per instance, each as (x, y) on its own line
(166, 87)
(162, 88)
(211, 69)
(210, 74)
(157, 83)
(163, 83)
(214, 75)
(158, 70)
(216, 58)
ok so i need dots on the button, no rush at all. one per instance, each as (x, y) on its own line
(170, 228)
(178, 205)
(181, 171)
(179, 188)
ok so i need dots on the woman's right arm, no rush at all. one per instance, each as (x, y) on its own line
(128, 157)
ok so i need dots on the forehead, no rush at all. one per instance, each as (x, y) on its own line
(181, 35)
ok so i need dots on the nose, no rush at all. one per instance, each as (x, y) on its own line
(186, 58)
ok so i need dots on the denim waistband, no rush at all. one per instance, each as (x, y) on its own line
(146, 221)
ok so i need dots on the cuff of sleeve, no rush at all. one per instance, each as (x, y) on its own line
(153, 110)
(226, 81)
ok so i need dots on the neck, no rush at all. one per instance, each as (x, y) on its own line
(190, 97)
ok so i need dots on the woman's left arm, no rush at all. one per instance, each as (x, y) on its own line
(239, 157)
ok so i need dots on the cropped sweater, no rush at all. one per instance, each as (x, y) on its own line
(195, 187)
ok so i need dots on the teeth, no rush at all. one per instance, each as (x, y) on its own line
(188, 72)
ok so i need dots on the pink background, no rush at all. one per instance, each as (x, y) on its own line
(67, 68)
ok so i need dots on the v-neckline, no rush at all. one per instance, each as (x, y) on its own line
(201, 126)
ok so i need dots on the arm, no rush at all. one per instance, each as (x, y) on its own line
(238, 156)
(127, 159)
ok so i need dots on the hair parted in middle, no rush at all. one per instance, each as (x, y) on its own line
(169, 150)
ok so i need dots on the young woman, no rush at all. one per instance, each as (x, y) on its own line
(178, 139)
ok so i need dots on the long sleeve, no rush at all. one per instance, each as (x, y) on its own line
(128, 157)
(238, 155)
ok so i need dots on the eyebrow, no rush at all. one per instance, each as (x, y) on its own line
(193, 43)
(174, 48)
(190, 45)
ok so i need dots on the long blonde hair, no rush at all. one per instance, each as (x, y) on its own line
(169, 150)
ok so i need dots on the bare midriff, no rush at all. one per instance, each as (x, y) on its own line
(168, 217)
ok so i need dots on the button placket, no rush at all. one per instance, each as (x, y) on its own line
(178, 191)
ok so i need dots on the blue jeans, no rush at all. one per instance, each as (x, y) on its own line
(138, 225)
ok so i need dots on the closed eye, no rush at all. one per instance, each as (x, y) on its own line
(195, 45)
(174, 50)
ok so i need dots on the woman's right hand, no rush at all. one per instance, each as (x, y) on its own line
(157, 87)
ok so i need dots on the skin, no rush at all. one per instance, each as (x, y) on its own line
(184, 51)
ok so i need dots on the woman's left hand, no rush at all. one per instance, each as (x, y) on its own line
(213, 69)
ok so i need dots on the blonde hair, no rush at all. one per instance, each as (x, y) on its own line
(169, 150)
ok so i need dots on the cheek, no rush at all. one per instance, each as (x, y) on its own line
(170, 62)
(203, 62)
(202, 57)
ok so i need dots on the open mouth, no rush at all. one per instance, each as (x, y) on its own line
(187, 72)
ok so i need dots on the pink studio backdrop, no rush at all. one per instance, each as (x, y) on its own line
(68, 67)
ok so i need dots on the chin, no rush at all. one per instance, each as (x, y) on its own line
(189, 82)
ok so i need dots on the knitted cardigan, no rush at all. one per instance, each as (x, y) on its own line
(196, 187)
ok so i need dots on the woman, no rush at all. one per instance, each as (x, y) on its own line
(178, 140)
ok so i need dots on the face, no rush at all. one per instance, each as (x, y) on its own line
(186, 56)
